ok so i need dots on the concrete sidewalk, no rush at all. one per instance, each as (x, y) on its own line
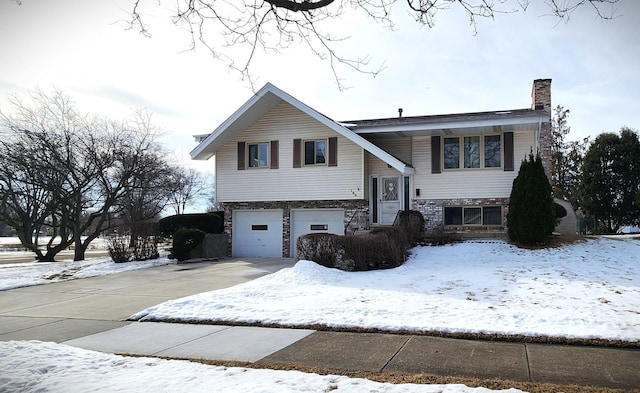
(409, 354)
(91, 313)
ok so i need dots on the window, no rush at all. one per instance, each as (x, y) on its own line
(451, 153)
(473, 215)
(258, 155)
(492, 215)
(452, 216)
(492, 146)
(476, 152)
(315, 152)
(472, 152)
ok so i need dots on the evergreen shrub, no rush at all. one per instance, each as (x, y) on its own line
(531, 218)
(185, 240)
(207, 222)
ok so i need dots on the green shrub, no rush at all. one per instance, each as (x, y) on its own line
(531, 218)
(185, 240)
(206, 222)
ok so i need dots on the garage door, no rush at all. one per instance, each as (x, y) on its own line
(257, 233)
(305, 221)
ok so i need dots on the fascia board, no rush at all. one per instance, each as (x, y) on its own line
(429, 126)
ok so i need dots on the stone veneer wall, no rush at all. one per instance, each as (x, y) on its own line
(350, 208)
(433, 212)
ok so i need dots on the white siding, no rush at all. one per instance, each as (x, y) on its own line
(400, 148)
(455, 184)
(285, 123)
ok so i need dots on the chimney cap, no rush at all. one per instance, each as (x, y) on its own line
(400, 112)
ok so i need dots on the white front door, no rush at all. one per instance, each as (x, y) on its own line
(390, 198)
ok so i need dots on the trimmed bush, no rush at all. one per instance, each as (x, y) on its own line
(531, 218)
(185, 240)
(412, 222)
(322, 248)
(206, 222)
(438, 236)
(383, 248)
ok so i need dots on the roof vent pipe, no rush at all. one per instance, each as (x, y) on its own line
(399, 112)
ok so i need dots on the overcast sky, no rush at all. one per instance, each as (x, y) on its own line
(78, 47)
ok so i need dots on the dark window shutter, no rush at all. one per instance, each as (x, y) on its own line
(508, 151)
(241, 155)
(297, 151)
(333, 151)
(274, 155)
(435, 154)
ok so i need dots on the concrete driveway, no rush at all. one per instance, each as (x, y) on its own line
(67, 310)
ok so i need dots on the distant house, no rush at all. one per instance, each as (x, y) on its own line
(284, 169)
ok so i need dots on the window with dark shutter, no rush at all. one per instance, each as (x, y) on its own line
(435, 154)
(241, 156)
(274, 155)
(297, 153)
(508, 151)
(333, 151)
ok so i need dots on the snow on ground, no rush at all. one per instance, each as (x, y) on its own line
(14, 242)
(585, 290)
(18, 275)
(48, 367)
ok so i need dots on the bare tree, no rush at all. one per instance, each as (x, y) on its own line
(150, 191)
(187, 185)
(67, 174)
(271, 25)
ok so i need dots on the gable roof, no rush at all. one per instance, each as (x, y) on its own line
(263, 101)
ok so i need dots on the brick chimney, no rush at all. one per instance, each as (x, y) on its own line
(541, 95)
(541, 100)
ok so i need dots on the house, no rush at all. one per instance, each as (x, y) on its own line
(284, 169)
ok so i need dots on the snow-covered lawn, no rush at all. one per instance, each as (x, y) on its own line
(32, 366)
(18, 275)
(585, 290)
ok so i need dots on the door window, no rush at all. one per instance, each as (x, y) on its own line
(390, 192)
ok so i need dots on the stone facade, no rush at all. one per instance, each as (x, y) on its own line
(433, 212)
(351, 208)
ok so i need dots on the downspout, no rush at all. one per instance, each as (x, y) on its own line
(538, 132)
